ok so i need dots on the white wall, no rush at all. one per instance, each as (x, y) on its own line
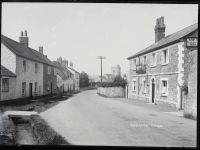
(8, 58)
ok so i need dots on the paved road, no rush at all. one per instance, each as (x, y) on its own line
(89, 119)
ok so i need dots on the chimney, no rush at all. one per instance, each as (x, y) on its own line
(159, 29)
(59, 60)
(23, 39)
(41, 49)
(71, 64)
(65, 63)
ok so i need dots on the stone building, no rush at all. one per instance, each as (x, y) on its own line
(158, 72)
(30, 68)
(69, 74)
(116, 70)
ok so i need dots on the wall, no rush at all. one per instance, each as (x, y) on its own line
(11, 94)
(111, 91)
(29, 76)
(52, 78)
(169, 71)
(8, 58)
(191, 101)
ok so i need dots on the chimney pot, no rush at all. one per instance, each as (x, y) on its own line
(25, 32)
(159, 29)
(24, 39)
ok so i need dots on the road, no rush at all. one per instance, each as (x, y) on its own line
(89, 119)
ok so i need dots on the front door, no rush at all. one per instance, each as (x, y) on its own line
(153, 90)
(30, 90)
(51, 88)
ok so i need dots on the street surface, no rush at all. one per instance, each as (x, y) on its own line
(89, 119)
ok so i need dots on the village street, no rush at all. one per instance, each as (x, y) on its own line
(89, 119)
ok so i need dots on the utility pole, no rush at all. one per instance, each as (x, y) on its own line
(101, 57)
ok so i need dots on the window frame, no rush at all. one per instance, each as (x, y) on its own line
(161, 87)
(134, 63)
(144, 87)
(24, 93)
(24, 65)
(49, 69)
(3, 89)
(133, 85)
(36, 68)
(167, 56)
(153, 61)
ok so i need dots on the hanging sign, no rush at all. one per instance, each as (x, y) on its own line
(192, 42)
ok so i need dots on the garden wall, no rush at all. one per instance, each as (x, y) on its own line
(111, 91)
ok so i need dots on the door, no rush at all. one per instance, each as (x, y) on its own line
(30, 90)
(153, 90)
(51, 88)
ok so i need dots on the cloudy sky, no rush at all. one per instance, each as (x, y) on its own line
(80, 32)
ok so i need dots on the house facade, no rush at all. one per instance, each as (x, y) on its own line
(70, 76)
(28, 66)
(157, 73)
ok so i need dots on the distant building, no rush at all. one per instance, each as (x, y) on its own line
(69, 75)
(158, 72)
(116, 70)
(34, 72)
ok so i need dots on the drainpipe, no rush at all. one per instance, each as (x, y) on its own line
(138, 85)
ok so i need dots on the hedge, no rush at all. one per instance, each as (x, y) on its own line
(112, 84)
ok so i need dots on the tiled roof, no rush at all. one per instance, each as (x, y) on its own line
(73, 70)
(167, 40)
(22, 51)
(63, 70)
(6, 72)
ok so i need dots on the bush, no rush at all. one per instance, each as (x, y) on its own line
(118, 81)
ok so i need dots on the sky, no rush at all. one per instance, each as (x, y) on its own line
(80, 32)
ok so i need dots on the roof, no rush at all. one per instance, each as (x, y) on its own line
(22, 51)
(63, 70)
(6, 72)
(73, 70)
(168, 40)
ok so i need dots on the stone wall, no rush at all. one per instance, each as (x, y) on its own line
(111, 91)
(190, 109)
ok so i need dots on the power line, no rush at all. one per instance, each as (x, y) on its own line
(101, 57)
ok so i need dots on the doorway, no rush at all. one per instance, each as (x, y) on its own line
(30, 90)
(51, 88)
(153, 90)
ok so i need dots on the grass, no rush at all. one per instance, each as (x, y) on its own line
(38, 105)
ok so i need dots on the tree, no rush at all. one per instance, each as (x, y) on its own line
(84, 80)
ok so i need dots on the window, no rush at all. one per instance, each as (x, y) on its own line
(153, 59)
(23, 88)
(35, 88)
(24, 66)
(48, 87)
(144, 86)
(164, 87)
(134, 64)
(133, 85)
(164, 57)
(5, 84)
(49, 70)
(144, 60)
(36, 68)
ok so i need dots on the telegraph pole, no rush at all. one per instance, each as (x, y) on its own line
(101, 57)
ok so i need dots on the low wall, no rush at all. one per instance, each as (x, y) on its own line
(111, 91)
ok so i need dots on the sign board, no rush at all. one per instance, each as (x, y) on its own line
(192, 42)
